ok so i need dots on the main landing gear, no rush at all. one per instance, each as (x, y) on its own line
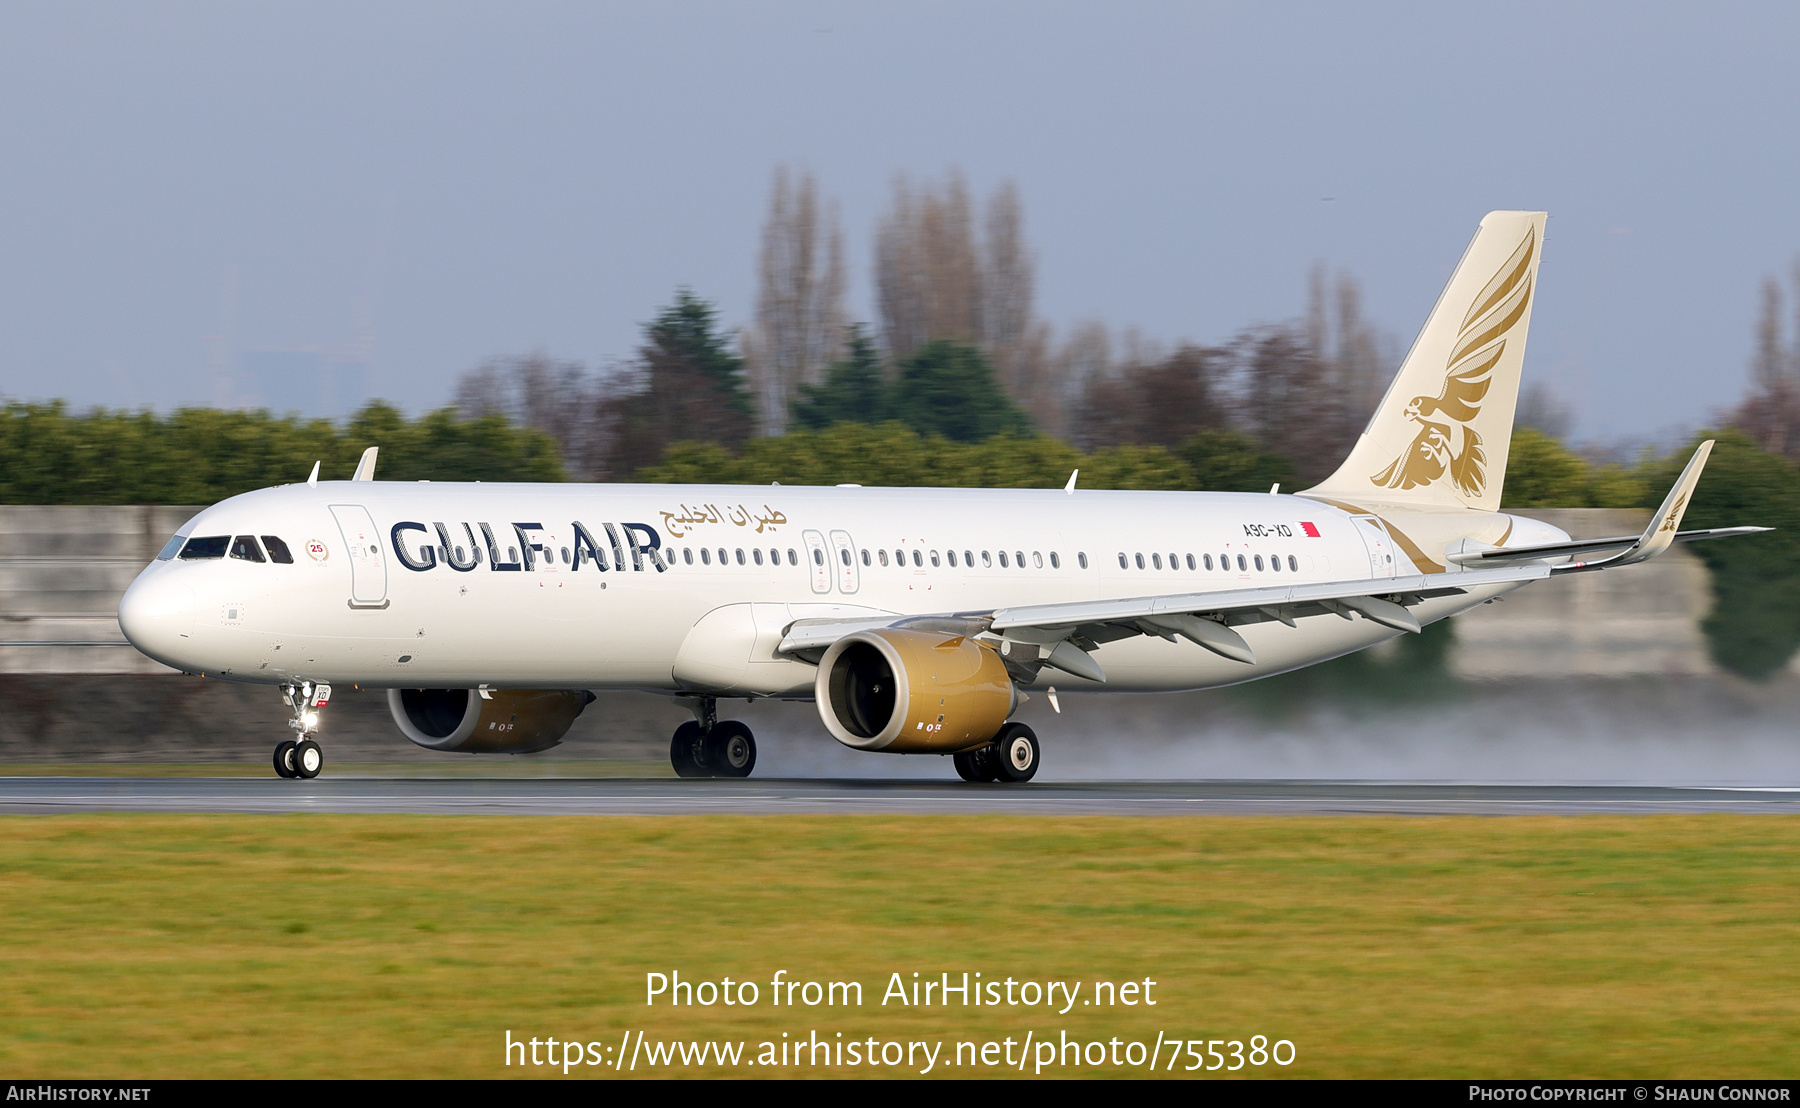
(300, 756)
(1012, 757)
(707, 746)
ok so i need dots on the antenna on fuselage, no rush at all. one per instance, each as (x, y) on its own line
(312, 479)
(365, 469)
(1070, 487)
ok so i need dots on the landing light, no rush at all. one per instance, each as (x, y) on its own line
(311, 719)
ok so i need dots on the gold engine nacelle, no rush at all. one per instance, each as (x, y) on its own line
(913, 692)
(509, 721)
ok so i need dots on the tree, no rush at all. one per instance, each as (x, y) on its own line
(853, 392)
(688, 385)
(203, 455)
(1754, 626)
(1164, 402)
(1542, 473)
(948, 388)
(1231, 461)
(934, 281)
(1770, 414)
(800, 314)
(559, 398)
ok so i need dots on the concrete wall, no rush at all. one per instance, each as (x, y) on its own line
(62, 571)
(1642, 620)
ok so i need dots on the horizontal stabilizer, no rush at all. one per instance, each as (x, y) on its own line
(1664, 526)
(1504, 555)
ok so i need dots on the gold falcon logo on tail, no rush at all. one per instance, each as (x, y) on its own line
(1446, 445)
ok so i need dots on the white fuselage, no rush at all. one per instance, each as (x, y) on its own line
(688, 588)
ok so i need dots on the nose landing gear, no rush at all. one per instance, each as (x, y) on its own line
(705, 746)
(300, 756)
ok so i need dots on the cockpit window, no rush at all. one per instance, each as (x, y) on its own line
(244, 546)
(278, 550)
(171, 548)
(211, 546)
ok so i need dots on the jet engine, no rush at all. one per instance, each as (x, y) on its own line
(506, 721)
(913, 692)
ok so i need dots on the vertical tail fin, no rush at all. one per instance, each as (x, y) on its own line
(1440, 435)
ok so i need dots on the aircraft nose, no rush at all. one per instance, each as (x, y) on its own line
(157, 616)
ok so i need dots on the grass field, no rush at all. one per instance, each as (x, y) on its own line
(165, 946)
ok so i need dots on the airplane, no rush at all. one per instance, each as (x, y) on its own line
(916, 619)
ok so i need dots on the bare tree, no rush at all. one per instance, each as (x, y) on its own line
(926, 275)
(934, 280)
(1542, 409)
(1769, 365)
(560, 398)
(1008, 277)
(1770, 414)
(800, 316)
(1165, 401)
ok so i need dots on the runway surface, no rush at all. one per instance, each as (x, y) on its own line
(602, 797)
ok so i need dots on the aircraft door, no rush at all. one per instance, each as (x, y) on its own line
(368, 569)
(1379, 546)
(845, 551)
(817, 561)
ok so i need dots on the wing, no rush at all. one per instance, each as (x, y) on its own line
(1065, 635)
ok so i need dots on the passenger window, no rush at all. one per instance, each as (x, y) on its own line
(774, 556)
(1242, 568)
(756, 555)
(740, 555)
(1190, 560)
(1206, 560)
(279, 553)
(1055, 562)
(171, 548)
(1037, 559)
(1259, 563)
(1140, 561)
(918, 558)
(865, 556)
(969, 558)
(818, 557)
(212, 546)
(565, 555)
(951, 554)
(1019, 557)
(844, 556)
(1293, 564)
(1156, 561)
(1003, 559)
(244, 546)
(705, 556)
(1122, 562)
(1082, 558)
(687, 555)
(1174, 562)
(881, 556)
(793, 558)
(934, 560)
(986, 560)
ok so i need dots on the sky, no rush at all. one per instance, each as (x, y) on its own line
(195, 198)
